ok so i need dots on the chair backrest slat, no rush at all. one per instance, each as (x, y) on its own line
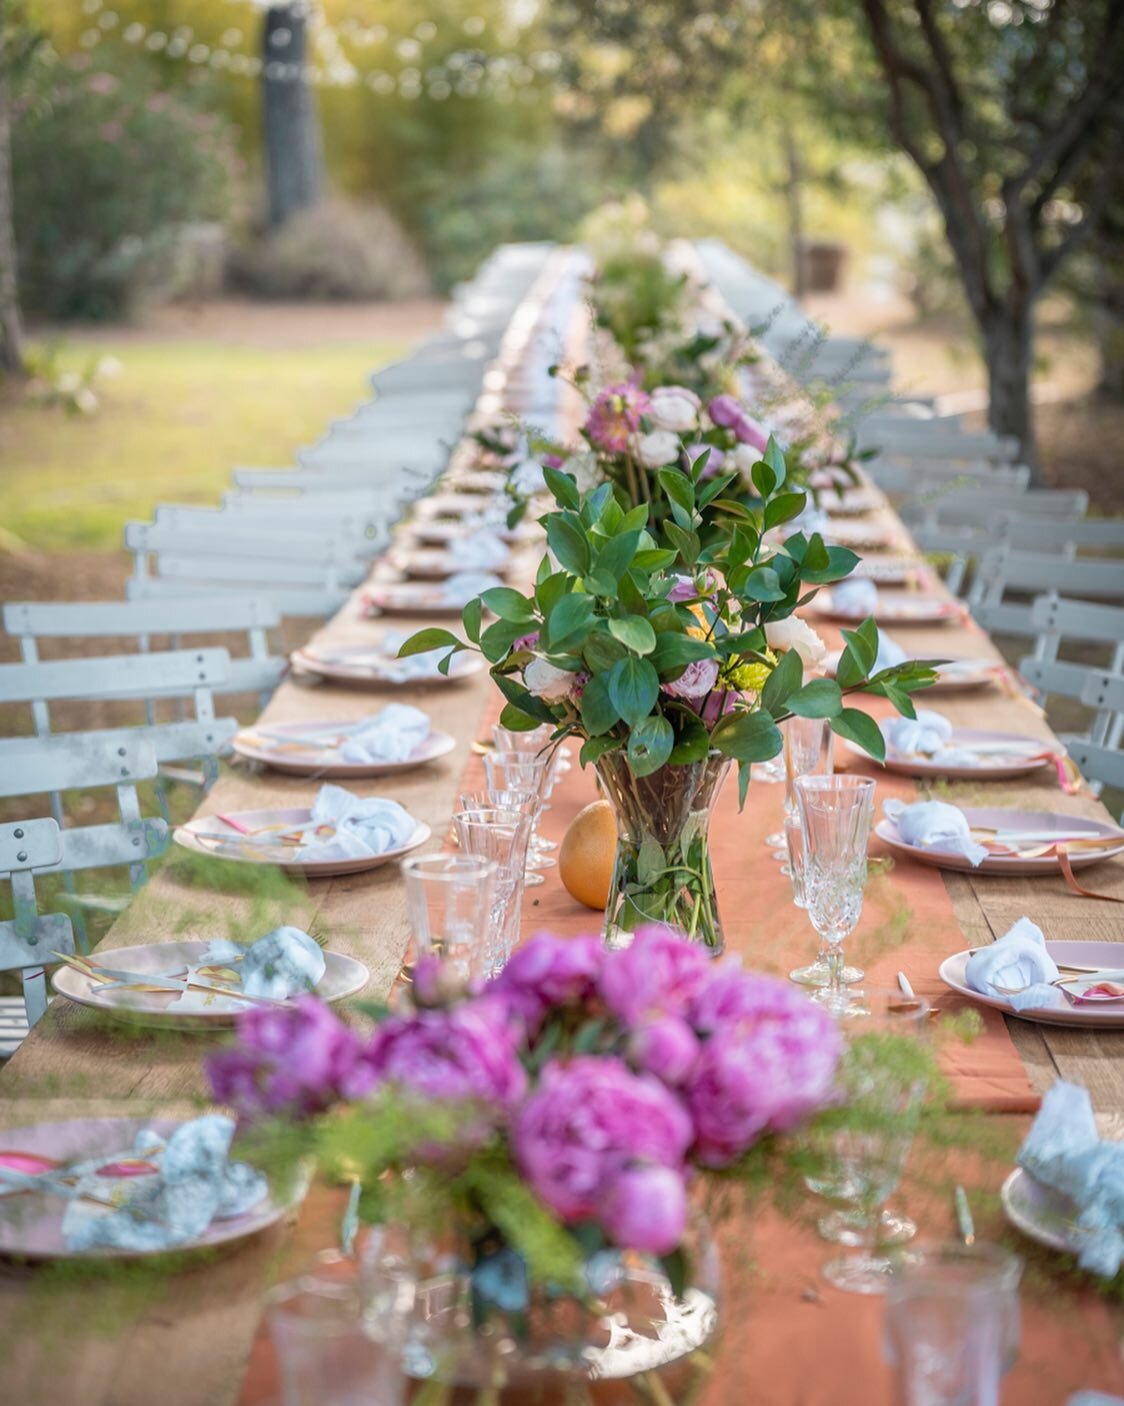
(75, 763)
(170, 742)
(116, 619)
(176, 672)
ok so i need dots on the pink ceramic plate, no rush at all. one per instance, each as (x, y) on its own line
(872, 536)
(1013, 755)
(207, 834)
(855, 503)
(478, 481)
(343, 977)
(458, 505)
(1037, 825)
(411, 598)
(440, 532)
(433, 564)
(899, 607)
(1108, 955)
(31, 1223)
(363, 665)
(892, 571)
(303, 749)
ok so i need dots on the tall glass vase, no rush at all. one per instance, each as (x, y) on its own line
(663, 872)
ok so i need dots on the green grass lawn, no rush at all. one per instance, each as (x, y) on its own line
(171, 425)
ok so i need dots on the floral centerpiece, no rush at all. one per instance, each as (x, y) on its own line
(670, 646)
(547, 1138)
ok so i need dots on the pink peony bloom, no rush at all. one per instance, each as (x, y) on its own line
(590, 1120)
(292, 1061)
(659, 973)
(465, 1054)
(696, 680)
(769, 1064)
(548, 971)
(646, 1210)
(614, 417)
(530, 641)
(666, 1047)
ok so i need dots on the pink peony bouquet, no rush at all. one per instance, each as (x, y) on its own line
(600, 1088)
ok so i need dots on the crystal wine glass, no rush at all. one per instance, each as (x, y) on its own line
(526, 801)
(835, 813)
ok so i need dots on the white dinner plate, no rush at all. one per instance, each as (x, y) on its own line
(1105, 955)
(439, 532)
(461, 505)
(893, 608)
(364, 665)
(306, 749)
(411, 598)
(865, 536)
(1014, 755)
(209, 835)
(434, 564)
(1030, 822)
(343, 977)
(31, 1223)
(1040, 1212)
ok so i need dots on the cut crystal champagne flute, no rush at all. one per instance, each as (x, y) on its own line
(534, 746)
(835, 814)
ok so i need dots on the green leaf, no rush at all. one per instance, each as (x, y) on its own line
(566, 538)
(861, 728)
(840, 562)
(594, 747)
(563, 486)
(654, 559)
(819, 699)
(763, 584)
(497, 639)
(764, 479)
(526, 702)
(678, 487)
(859, 656)
(600, 583)
(774, 457)
(634, 632)
(649, 745)
(471, 619)
(650, 861)
(816, 558)
(585, 1041)
(674, 1266)
(551, 589)
(634, 686)
(686, 543)
(572, 616)
(425, 640)
(616, 557)
(635, 519)
(509, 604)
(692, 740)
(745, 775)
(599, 712)
(674, 651)
(516, 720)
(748, 737)
(601, 651)
(785, 679)
(783, 508)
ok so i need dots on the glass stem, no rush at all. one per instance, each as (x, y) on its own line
(833, 956)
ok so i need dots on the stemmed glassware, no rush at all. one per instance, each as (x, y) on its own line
(449, 899)
(523, 771)
(501, 836)
(883, 1079)
(525, 800)
(835, 813)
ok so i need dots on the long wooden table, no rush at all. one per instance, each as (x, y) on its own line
(131, 1339)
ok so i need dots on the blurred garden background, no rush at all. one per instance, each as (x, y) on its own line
(225, 213)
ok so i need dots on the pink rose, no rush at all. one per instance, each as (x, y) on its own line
(696, 680)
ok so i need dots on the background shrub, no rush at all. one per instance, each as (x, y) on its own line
(106, 168)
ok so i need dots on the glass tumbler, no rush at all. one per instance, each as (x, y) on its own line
(501, 836)
(449, 900)
(523, 771)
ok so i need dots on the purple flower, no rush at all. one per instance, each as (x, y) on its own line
(465, 1054)
(770, 1062)
(646, 1210)
(658, 974)
(530, 641)
(752, 432)
(666, 1047)
(548, 971)
(686, 589)
(614, 417)
(589, 1121)
(716, 457)
(696, 680)
(719, 703)
(294, 1060)
(435, 983)
(729, 414)
(553, 461)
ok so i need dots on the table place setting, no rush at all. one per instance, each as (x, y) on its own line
(378, 665)
(481, 550)
(929, 746)
(901, 570)
(988, 840)
(197, 985)
(856, 600)
(340, 834)
(123, 1188)
(397, 738)
(1055, 983)
(448, 597)
(953, 675)
(442, 532)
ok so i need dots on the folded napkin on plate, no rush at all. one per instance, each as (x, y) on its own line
(461, 588)
(889, 653)
(935, 825)
(856, 596)
(527, 478)
(194, 1184)
(1062, 1150)
(390, 735)
(927, 733)
(361, 826)
(481, 550)
(414, 666)
(1017, 962)
(281, 964)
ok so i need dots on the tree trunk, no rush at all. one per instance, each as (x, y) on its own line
(293, 152)
(11, 327)
(794, 192)
(1108, 310)
(1008, 334)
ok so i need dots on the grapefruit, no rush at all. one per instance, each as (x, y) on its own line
(585, 859)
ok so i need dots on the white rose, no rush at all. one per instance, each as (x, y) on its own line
(674, 408)
(657, 449)
(792, 633)
(547, 682)
(742, 458)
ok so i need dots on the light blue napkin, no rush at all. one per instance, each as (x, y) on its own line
(1094, 1398)
(362, 826)
(414, 666)
(1019, 962)
(390, 735)
(465, 585)
(281, 964)
(1063, 1151)
(857, 597)
(926, 734)
(481, 550)
(889, 653)
(935, 825)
